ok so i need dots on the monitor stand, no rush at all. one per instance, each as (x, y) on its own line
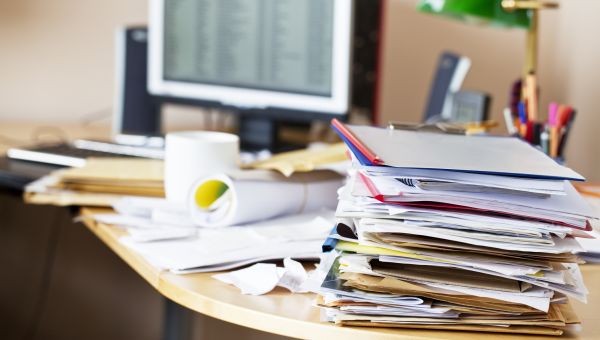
(263, 132)
(257, 133)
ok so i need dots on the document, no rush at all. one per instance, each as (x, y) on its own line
(483, 230)
(473, 154)
(210, 249)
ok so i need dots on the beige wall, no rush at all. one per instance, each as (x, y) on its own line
(56, 61)
(56, 56)
(569, 66)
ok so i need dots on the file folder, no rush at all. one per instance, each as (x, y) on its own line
(491, 155)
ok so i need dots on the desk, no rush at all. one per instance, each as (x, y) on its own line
(294, 315)
(281, 312)
(15, 174)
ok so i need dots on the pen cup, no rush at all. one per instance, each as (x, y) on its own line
(191, 155)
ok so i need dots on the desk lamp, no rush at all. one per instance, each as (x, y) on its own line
(504, 13)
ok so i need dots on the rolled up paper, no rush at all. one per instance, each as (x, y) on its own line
(223, 200)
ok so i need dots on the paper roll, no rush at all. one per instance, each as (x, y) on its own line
(221, 200)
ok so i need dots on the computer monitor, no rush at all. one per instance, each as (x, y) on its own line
(281, 59)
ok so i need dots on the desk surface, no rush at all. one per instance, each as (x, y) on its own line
(294, 315)
(30, 133)
(15, 174)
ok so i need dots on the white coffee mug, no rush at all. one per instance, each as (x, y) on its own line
(191, 155)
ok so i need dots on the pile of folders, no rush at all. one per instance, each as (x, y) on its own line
(454, 232)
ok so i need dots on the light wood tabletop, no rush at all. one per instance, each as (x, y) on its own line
(18, 134)
(295, 315)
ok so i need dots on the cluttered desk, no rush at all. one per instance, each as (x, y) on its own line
(391, 233)
(135, 228)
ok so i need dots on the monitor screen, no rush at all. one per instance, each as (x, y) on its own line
(292, 54)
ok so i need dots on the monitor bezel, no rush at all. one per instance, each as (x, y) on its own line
(337, 104)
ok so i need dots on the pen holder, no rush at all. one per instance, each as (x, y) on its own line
(550, 136)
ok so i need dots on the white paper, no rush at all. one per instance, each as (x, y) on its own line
(570, 205)
(261, 278)
(152, 235)
(145, 206)
(590, 246)
(293, 236)
(556, 246)
(294, 276)
(258, 279)
(493, 181)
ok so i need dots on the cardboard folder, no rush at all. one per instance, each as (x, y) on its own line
(492, 155)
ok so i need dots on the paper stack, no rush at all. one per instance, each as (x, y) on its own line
(455, 232)
(231, 220)
(100, 183)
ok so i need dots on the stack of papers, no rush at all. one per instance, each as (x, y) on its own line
(167, 238)
(451, 238)
(103, 181)
(100, 183)
(291, 217)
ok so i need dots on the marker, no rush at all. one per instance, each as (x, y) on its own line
(529, 135)
(522, 119)
(552, 112)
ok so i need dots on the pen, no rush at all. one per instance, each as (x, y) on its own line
(523, 119)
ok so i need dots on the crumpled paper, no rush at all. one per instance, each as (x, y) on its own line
(262, 278)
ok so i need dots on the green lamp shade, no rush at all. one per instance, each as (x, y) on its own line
(487, 11)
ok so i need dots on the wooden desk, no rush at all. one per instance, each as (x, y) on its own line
(29, 133)
(294, 315)
(278, 312)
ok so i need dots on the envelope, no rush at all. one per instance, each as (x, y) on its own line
(395, 286)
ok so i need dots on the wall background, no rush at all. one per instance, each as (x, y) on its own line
(56, 62)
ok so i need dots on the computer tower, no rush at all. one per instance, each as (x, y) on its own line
(136, 112)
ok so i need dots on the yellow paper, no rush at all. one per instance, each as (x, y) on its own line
(307, 160)
(370, 250)
(116, 169)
